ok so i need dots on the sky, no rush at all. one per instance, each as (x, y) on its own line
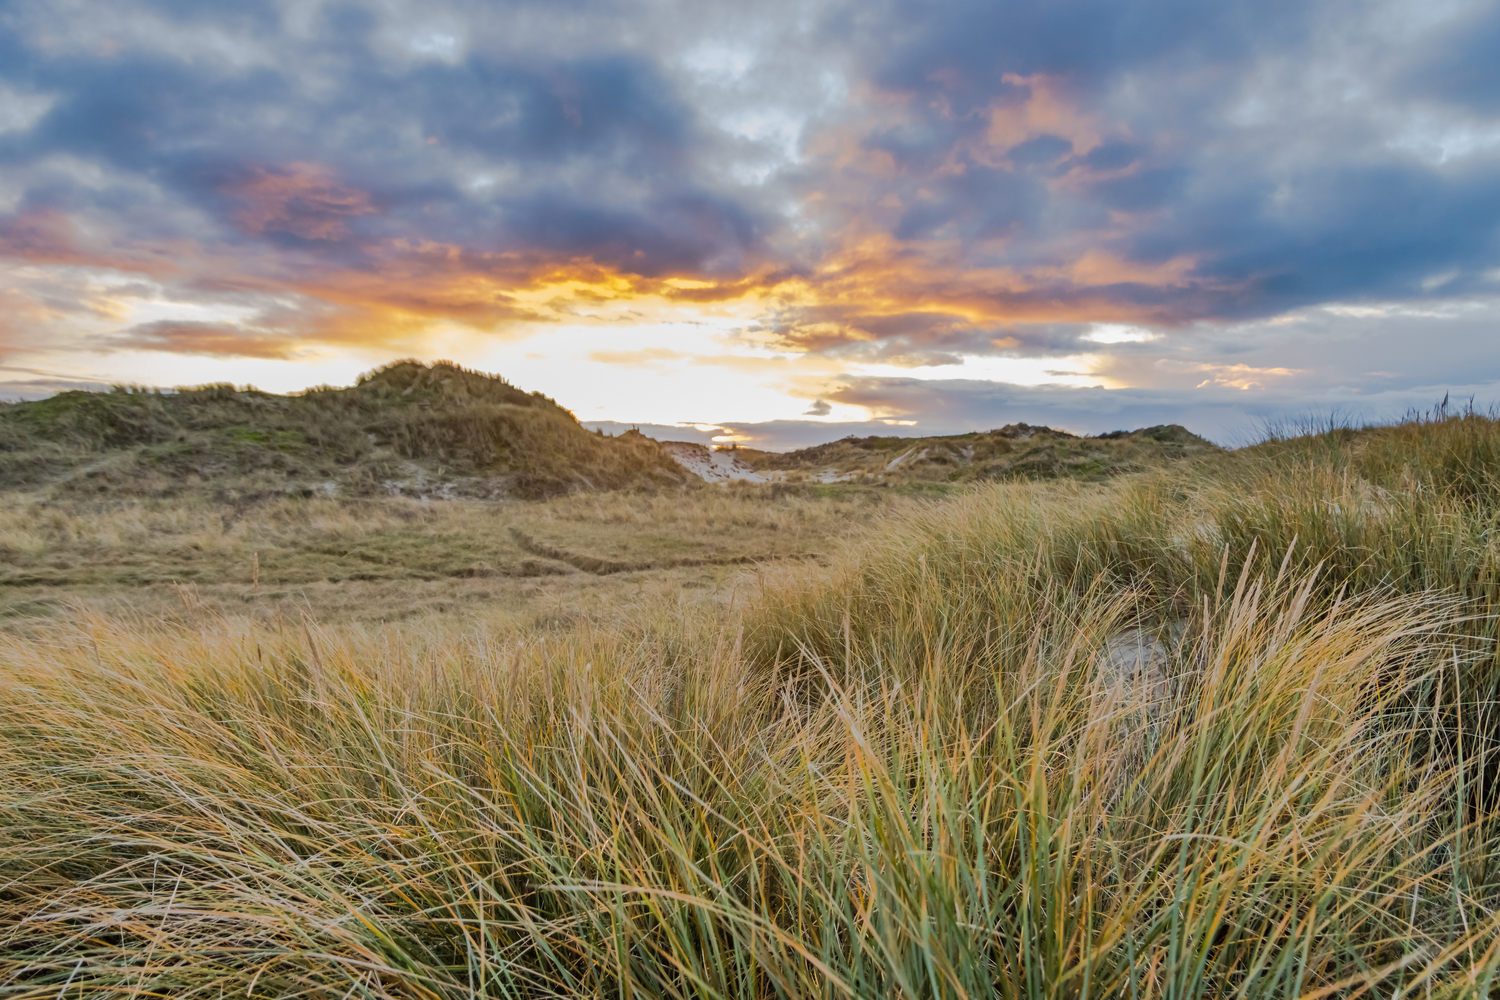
(774, 223)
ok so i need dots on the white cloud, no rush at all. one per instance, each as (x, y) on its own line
(440, 45)
(719, 61)
(20, 111)
(1117, 333)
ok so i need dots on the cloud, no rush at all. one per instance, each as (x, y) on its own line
(16, 390)
(820, 408)
(214, 340)
(51, 237)
(697, 434)
(645, 356)
(1456, 64)
(301, 199)
(874, 183)
(1057, 158)
(426, 191)
(920, 407)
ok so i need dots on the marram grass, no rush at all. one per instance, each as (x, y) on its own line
(913, 780)
(228, 814)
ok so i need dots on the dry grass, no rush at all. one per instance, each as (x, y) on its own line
(391, 559)
(1013, 452)
(907, 776)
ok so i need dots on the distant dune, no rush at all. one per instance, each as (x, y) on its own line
(444, 432)
(1016, 451)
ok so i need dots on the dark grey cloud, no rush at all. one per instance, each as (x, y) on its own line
(1457, 64)
(592, 153)
(1092, 40)
(601, 149)
(820, 408)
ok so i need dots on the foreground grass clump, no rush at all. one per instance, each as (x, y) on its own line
(922, 775)
(598, 814)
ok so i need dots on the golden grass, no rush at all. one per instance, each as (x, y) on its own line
(383, 560)
(909, 776)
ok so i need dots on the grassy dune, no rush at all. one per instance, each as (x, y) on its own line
(917, 773)
(406, 428)
(1016, 451)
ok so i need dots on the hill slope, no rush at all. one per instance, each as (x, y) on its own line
(406, 428)
(1016, 451)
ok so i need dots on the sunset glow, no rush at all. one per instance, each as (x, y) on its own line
(774, 225)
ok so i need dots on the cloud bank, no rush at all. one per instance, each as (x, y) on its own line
(932, 214)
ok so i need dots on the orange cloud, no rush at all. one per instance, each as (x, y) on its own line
(643, 357)
(1243, 377)
(1097, 267)
(303, 199)
(876, 278)
(1125, 370)
(210, 339)
(861, 285)
(869, 288)
(860, 292)
(1044, 112)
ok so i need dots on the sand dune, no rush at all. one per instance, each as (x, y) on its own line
(709, 465)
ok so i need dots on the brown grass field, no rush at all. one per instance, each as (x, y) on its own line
(392, 559)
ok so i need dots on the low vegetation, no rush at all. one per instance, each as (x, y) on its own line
(405, 429)
(911, 767)
(1016, 451)
(382, 559)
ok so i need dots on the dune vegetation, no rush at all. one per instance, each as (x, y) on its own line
(405, 429)
(383, 559)
(1015, 451)
(918, 767)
